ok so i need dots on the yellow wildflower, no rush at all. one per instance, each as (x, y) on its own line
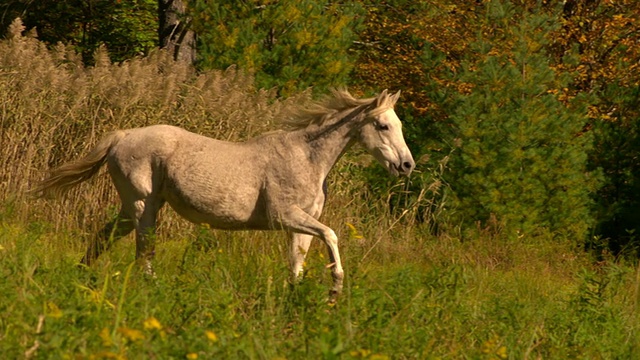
(211, 336)
(107, 341)
(53, 310)
(152, 324)
(131, 334)
(107, 355)
(95, 296)
(502, 352)
(378, 357)
(353, 232)
(360, 353)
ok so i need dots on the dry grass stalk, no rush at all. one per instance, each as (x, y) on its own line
(53, 108)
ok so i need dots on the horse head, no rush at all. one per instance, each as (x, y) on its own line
(382, 136)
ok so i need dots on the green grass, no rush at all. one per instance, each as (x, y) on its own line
(226, 295)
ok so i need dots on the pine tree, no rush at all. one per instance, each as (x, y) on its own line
(289, 44)
(522, 152)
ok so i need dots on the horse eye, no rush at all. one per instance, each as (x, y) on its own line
(383, 127)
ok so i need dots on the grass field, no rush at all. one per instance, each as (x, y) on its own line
(225, 295)
(409, 294)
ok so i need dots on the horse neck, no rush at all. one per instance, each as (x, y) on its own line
(327, 143)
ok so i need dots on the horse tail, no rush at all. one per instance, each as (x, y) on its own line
(68, 175)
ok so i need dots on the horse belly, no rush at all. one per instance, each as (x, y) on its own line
(225, 209)
(217, 183)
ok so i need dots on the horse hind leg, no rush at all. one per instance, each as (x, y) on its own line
(145, 225)
(114, 230)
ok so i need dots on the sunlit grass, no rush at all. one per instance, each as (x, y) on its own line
(227, 295)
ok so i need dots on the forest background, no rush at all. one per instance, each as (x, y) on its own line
(523, 116)
(535, 101)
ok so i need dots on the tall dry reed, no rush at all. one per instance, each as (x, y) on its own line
(53, 109)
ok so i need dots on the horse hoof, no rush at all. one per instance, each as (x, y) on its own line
(333, 297)
(149, 273)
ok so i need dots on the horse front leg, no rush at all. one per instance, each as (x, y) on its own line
(298, 220)
(297, 252)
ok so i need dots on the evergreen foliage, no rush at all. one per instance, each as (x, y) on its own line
(288, 44)
(128, 28)
(522, 153)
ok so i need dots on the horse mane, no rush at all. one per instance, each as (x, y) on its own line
(318, 112)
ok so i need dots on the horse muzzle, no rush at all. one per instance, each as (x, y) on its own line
(404, 168)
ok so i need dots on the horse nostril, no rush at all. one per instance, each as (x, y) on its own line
(407, 165)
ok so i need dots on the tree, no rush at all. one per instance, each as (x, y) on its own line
(426, 47)
(602, 38)
(522, 151)
(174, 30)
(127, 28)
(288, 44)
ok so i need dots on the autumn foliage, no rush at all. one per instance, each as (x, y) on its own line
(560, 77)
(445, 55)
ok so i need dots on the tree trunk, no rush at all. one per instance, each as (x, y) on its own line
(174, 31)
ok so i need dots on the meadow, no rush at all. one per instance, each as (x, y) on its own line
(410, 292)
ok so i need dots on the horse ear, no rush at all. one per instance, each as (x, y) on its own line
(381, 98)
(395, 97)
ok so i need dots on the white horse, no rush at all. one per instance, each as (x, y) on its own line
(272, 182)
